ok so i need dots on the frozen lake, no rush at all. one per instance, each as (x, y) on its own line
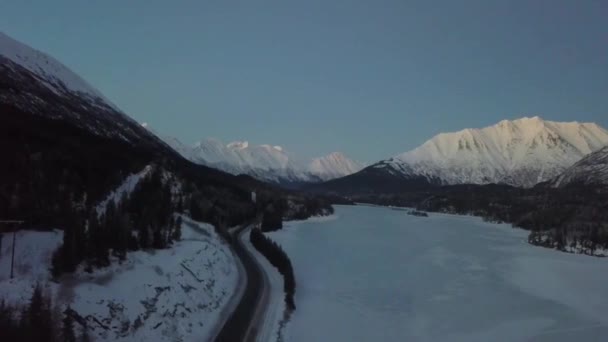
(376, 274)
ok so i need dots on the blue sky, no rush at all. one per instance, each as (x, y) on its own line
(369, 78)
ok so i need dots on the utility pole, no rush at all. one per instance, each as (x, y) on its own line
(13, 253)
(17, 223)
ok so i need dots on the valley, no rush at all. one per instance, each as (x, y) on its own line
(440, 221)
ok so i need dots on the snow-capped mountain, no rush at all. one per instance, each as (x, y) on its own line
(55, 76)
(266, 162)
(36, 83)
(592, 169)
(334, 165)
(521, 152)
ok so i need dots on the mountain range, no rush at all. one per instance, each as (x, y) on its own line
(522, 153)
(66, 148)
(269, 163)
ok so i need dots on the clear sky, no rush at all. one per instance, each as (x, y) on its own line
(369, 78)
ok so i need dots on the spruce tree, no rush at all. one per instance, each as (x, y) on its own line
(177, 230)
(39, 320)
(84, 336)
(67, 331)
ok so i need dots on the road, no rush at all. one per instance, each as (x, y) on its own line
(243, 324)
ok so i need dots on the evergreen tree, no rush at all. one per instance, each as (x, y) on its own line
(157, 239)
(84, 336)
(123, 232)
(195, 210)
(67, 331)
(9, 328)
(177, 230)
(97, 240)
(38, 317)
(144, 237)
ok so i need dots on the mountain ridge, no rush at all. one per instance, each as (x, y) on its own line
(521, 152)
(591, 170)
(266, 162)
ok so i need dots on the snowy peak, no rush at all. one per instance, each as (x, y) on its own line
(266, 162)
(271, 162)
(53, 74)
(334, 165)
(238, 145)
(520, 152)
(241, 155)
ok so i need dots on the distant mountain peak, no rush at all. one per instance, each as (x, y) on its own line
(519, 152)
(334, 165)
(238, 145)
(266, 162)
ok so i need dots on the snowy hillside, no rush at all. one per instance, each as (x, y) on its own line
(55, 75)
(36, 83)
(265, 162)
(175, 294)
(592, 169)
(521, 152)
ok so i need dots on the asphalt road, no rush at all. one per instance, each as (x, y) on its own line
(242, 324)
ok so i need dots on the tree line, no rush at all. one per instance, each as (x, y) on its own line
(561, 218)
(279, 259)
(292, 208)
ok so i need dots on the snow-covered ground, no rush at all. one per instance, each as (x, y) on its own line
(176, 294)
(375, 274)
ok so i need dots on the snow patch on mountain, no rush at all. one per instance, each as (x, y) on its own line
(521, 152)
(126, 188)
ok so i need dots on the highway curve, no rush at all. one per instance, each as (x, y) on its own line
(241, 325)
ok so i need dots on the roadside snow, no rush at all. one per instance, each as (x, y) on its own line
(269, 326)
(175, 294)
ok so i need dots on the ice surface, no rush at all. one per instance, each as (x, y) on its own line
(375, 274)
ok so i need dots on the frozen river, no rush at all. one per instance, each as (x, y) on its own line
(376, 274)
